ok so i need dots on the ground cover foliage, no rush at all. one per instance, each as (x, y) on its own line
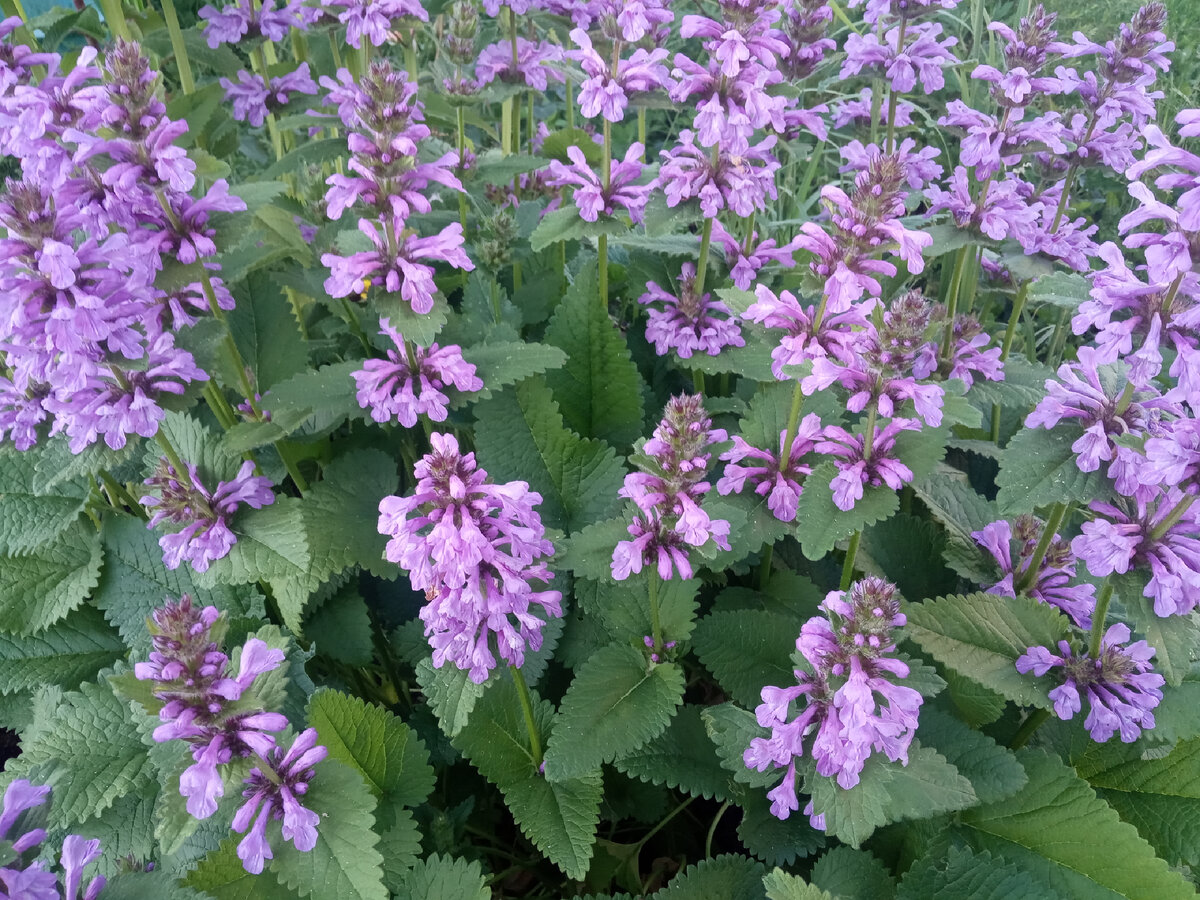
(599, 449)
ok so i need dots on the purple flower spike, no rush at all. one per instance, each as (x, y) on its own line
(853, 703)
(77, 853)
(810, 333)
(856, 469)
(406, 386)
(591, 196)
(688, 323)
(1119, 685)
(605, 91)
(475, 548)
(782, 483)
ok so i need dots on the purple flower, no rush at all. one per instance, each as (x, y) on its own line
(24, 880)
(474, 548)
(246, 20)
(805, 28)
(253, 97)
(858, 467)
(919, 167)
(496, 61)
(274, 795)
(77, 853)
(1002, 213)
(809, 332)
(781, 482)
(688, 323)
(1051, 583)
(372, 19)
(853, 703)
(734, 43)
(922, 57)
(740, 178)
(750, 259)
(859, 110)
(205, 517)
(409, 383)
(605, 90)
(967, 359)
(591, 197)
(668, 492)
(1119, 685)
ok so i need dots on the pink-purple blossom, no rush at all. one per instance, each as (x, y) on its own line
(688, 323)
(769, 474)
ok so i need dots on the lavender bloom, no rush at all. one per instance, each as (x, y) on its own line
(782, 482)
(242, 21)
(859, 111)
(668, 492)
(1119, 685)
(591, 197)
(275, 796)
(496, 61)
(805, 26)
(372, 19)
(688, 323)
(922, 57)
(750, 259)
(1162, 537)
(809, 332)
(854, 705)
(23, 878)
(605, 92)
(206, 535)
(857, 466)
(740, 178)
(745, 35)
(968, 357)
(474, 548)
(919, 167)
(253, 98)
(1004, 212)
(386, 387)
(731, 108)
(1052, 582)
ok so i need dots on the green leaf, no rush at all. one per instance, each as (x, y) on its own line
(775, 841)
(682, 758)
(565, 224)
(909, 550)
(820, 524)
(1066, 290)
(731, 729)
(266, 333)
(556, 143)
(444, 878)
(617, 702)
(221, 875)
(559, 817)
(1158, 796)
(157, 885)
(588, 552)
(728, 877)
(993, 770)
(420, 328)
(521, 436)
(889, 792)
(88, 748)
(961, 510)
(1023, 386)
(599, 389)
(125, 831)
(1061, 833)
(341, 627)
(746, 650)
(44, 585)
(29, 517)
(1038, 468)
(976, 704)
(980, 636)
(401, 850)
(502, 363)
(307, 153)
(65, 654)
(752, 361)
(135, 582)
(852, 875)
(1174, 638)
(965, 874)
(345, 862)
(55, 463)
(451, 693)
(624, 607)
(1177, 718)
(389, 756)
(782, 886)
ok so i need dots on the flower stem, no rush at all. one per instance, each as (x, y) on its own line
(168, 450)
(602, 251)
(764, 566)
(960, 263)
(655, 625)
(702, 262)
(892, 98)
(1098, 617)
(793, 423)
(118, 492)
(712, 829)
(535, 740)
(641, 126)
(1057, 514)
(1032, 724)
(1173, 517)
(219, 405)
(848, 564)
(114, 15)
(186, 81)
(1009, 333)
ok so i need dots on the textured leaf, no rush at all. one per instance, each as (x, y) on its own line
(88, 748)
(156, 885)
(55, 463)
(908, 551)
(980, 636)
(731, 729)
(852, 875)
(345, 862)
(41, 587)
(616, 703)
(820, 524)
(961, 510)
(521, 436)
(1160, 797)
(29, 517)
(1038, 468)
(746, 650)
(559, 817)
(266, 334)
(1023, 386)
(588, 552)
(451, 693)
(1066, 290)
(964, 874)
(1061, 833)
(444, 878)
(624, 607)
(599, 389)
(65, 654)
(385, 751)
(221, 875)
(752, 361)
(728, 877)
(782, 886)
(401, 850)
(135, 582)
(564, 224)
(976, 704)
(502, 363)
(993, 770)
(682, 757)
(889, 792)
(775, 841)
(1177, 718)
(1175, 639)
(341, 627)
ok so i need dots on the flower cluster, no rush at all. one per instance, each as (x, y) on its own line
(854, 705)
(668, 492)
(248, 21)
(688, 322)
(409, 383)
(24, 877)
(182, 499)
(475, 549)
(1118, 683)
(778, 475)
(254, 97)
(214, 710)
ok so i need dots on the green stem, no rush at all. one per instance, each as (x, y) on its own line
(535, 741)
(655, 625)
(810, 173)
(114, 15)
(1173, 517)
(848, 564)
(177, 45)
(712, 829)
(118, 491)
(181, 472)
(1057, 514)
(1098, 618)
(219, 406)
(793, 422)
(892, 98)
(1009, 334)
(570, 107)
(960, 263)
(698, 381)
(764, 566)
(356, 326)
(702, 262)
(602, 251)
(1030, 725)
(641, 125)
(663, 822)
